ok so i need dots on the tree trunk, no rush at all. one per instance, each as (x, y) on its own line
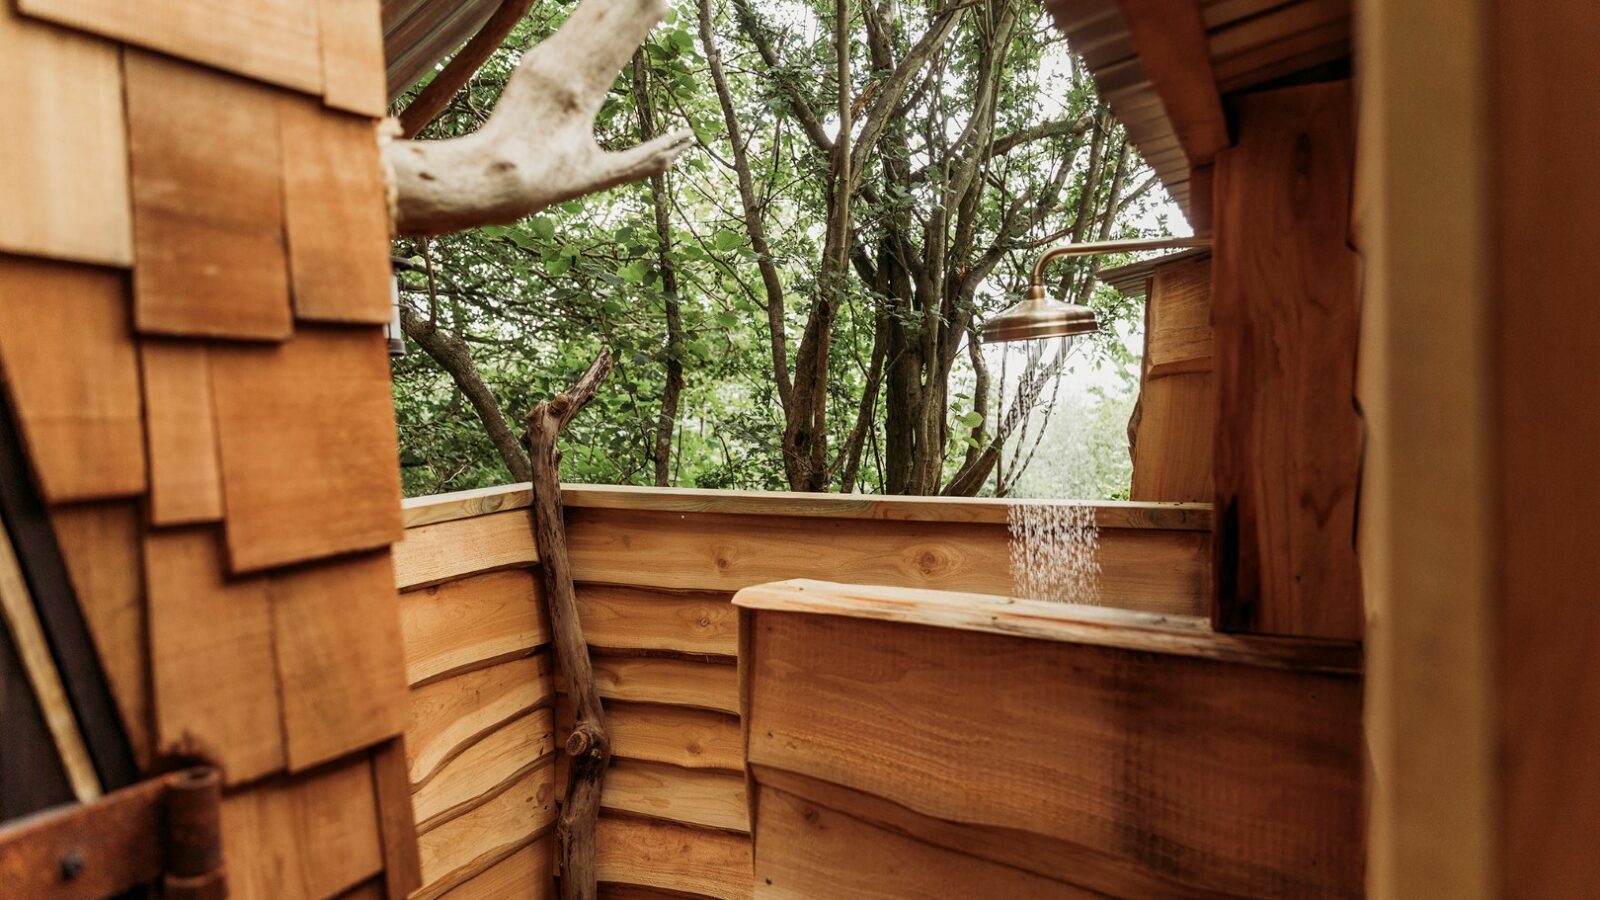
(672, 389)
(588, 747)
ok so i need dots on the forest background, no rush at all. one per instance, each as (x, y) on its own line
(795, 305)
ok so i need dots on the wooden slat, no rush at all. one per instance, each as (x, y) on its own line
(807, 850)
(181, 430)
(1223, 777)
(697, 861)
(1154, 571)
(341, 670)
(207, 202)
(102, 546)
(1179, 335)
(617, 617)
(692, 738)
(1107, 514)
(336, 210)
(352, 56)
(1284, 318)
(524, 874)
(1170, 39)
(1172, 454)
(64, 170)
(500, 759)
(482, 837)
(213, 674)
(268, 40)
(68, 356)
(448, 717)
(307, 836)
(672, 793)
(670, 682)
(434, 553)
(307, 425)
(472, 623)
(397, 824)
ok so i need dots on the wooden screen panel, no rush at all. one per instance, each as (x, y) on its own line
(472, 842)
(102, 546)
(64, 163)
(336, 632)
(712, 685)
(69, 360)
(336, 208)
(1222, 777)
(214, 677)
(694, 861)
(308, 444)
(352, 56)
(1179, 335)
(274, 41)
(430, 554)
(1172, 453)
(448, 717)
(306, 836)
(673, 793)
(1284, 317)
(484, 769)
(472, 623)
(617, 617)
(526, 874)
(675, 735)
(181, 428)
(207, 202)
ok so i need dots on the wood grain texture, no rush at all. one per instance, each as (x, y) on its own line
(480, 838)
(526, 873)
(807, 850)
(698, 861)
(500, 759)
(307, 425)
(181, 432)
(1178, 334)
(68, 356)
(336, 634)
(1284, 317)
(103, 548)
(1155, 571)
(1221, 777)
(618, 617)
(307, 836)
(1546, 329)
(433, 553)
(64, 172)
(207, 202)
(397, 824)
(705, 797)
(1170, 40)
(271, 40)
(1172, 456)
(692, 738)
(669, 682)
(335, 209)
(472, 623)
(352, 56)
(448, 717)
(213, 672)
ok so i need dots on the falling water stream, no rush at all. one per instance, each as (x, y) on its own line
(1055, 552)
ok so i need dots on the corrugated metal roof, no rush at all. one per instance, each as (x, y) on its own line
(417, 34)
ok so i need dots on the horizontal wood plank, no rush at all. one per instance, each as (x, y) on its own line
(1223, 777)
(434, 553)
(471, 623)
(64, 166)
(692, 738)
(482, 837)
(492, 764)
(449, 716)
(303, 836)
(669, 682)
(698, 861)
(707, 797)
(72, 372)
(618, 617)
(527, 874)
(268, 40)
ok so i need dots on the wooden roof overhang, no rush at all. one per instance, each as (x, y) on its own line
(417, 34)
(1165, 66)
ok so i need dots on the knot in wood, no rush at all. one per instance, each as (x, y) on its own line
(578, 744)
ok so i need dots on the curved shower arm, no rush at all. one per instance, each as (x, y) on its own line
(1098, 248)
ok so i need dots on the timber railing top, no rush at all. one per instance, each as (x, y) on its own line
(1072, 623)
(1108, 514)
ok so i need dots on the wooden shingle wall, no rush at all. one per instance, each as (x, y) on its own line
(193, 281)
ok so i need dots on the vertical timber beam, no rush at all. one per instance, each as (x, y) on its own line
(1284, 322)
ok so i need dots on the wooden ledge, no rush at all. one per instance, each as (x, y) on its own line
(1043, 620)
(1108, 514)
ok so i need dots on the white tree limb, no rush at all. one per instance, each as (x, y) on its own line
(538, 147)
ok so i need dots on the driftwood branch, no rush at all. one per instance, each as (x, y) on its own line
(538, 147)
(588, 747)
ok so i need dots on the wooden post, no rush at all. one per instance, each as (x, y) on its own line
(588, 746)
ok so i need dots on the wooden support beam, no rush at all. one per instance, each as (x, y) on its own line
(1170, 38)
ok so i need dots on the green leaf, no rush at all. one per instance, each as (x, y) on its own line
(558, 265)
(634, 272)
(727, 240)
(727, 318)
(543, 227)
(971, 419)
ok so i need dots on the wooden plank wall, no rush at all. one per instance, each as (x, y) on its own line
(657, 570)
(1019, 753)
(1172, 442)
(190, 375)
